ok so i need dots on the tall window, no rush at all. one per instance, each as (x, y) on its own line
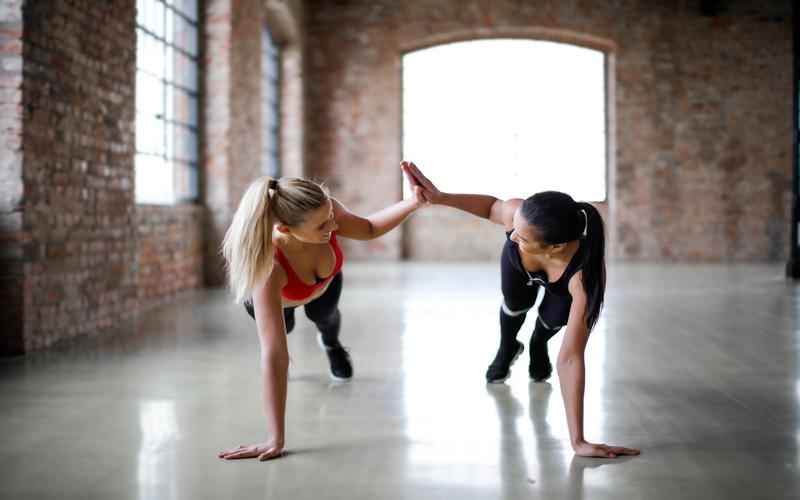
(166, 101)
(270, 104)
(507, 117)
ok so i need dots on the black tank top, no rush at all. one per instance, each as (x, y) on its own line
(558, 287)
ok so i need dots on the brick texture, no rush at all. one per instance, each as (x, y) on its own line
(232, 151)
(287, 28)
(78, 137)
(702, 113)
(701, 134)
(170, 251)
(232, 113)
(79, 256)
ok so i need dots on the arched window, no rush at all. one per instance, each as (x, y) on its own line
(166, 101)
(507, 117)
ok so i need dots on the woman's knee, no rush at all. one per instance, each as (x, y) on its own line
(322, 317)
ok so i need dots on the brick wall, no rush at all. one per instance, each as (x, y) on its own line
(78, 256)
(216, 120)
(702, 110)
(78, 138)
(232, 112)
(244, 139)
(232, 153)
(170, 251)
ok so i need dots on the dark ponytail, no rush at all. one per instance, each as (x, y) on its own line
(560, 219)
(594, 263)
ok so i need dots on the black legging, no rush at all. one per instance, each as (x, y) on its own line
(519, 297)
(323, 311)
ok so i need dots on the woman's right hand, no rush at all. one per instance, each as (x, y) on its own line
(416, 178)
(262, 451)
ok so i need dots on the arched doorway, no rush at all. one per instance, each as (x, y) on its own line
(506, 117)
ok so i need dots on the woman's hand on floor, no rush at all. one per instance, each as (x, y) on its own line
(586, 449)
(262, 451)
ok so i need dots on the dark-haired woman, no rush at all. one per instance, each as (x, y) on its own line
(555, 243)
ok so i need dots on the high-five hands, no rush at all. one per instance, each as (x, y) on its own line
(424, 190)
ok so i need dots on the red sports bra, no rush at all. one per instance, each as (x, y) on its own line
(295, 288)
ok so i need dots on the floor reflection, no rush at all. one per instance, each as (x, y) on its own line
(453, 437)
(696, 365)
(156, 460)
(482, 438)
(545, 463)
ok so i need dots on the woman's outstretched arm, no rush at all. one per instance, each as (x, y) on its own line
(572, 376)
(274, 367)
(482, 205)
(376, 225)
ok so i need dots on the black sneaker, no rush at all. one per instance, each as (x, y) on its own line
(339, 358)
(500, 368)
(539, 368)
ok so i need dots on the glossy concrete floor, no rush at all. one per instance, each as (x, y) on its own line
(696, 365)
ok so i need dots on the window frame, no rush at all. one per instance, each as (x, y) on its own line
(180, 158)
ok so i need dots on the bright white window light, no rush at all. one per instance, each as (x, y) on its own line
(507, 117)
(167, 92)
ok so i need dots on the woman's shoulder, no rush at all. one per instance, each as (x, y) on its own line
(505, 214)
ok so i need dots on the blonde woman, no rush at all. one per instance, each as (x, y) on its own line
(282, 252)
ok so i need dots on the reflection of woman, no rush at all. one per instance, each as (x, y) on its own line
(282, 252)
(558, 244)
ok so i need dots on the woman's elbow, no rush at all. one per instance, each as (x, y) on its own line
(372, 231)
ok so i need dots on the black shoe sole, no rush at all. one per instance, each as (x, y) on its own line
(542, 379)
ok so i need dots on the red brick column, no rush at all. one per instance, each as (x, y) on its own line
(216, 149)
(232, 114)
(170, 251)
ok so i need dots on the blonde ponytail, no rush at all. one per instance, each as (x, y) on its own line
(247, 246)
